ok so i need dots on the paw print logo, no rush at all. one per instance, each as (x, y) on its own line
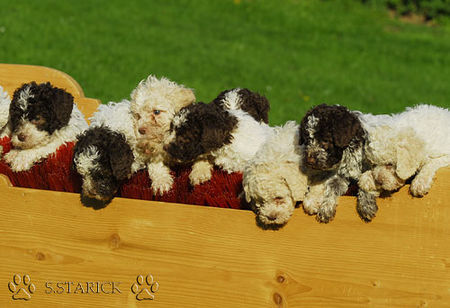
(21, 287)
(145, 287)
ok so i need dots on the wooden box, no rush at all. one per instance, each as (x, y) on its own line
(55, 252)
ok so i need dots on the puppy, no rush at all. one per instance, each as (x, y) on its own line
(333, 138)
(414, 142)
(220, 133)
(103, 158)
(154, 102)
(5, 102)
(273, 180)
(41, 119)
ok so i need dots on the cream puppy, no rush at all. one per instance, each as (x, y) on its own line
(153, 104)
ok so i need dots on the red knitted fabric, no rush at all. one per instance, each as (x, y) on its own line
(139, 187)
(54, 173)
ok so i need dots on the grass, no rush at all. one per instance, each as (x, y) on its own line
(297, 53)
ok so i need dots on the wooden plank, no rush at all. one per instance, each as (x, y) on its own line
(13, 76)
(211, 257)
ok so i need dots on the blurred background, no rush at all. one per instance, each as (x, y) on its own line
(376, 56)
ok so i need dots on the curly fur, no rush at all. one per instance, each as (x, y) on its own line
(415, 142)
(254, 104)
(103, 158)
(5, 102)
(154, 102)
(215, 133)
(333, 138)
(273, 180)
(117, 117)
(41, 119)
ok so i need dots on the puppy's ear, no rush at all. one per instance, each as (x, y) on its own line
(62, 104)
(410, 155)
(346, 128)
(249, 172)
(303, 127)
(217, 126)
(121, 157)
(256, 105)
(184, 97)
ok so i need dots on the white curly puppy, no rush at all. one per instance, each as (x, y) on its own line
(414, 142)
(5, 101)
(273, 181)
(154, 103)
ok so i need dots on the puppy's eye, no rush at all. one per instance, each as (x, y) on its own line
(278, 199)
(38, 120)
(137, 116)
(156, 112)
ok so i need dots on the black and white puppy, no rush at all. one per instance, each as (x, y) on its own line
(103, 158)
(333, 137)
(253, 103)
(227, 132)
(41, 119)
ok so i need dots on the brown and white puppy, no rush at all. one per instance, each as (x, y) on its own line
(103, 158)
(154, 103)
(219, 133)
(333, 138)
(41, 119)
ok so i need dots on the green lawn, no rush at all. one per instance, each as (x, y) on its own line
(298, 53)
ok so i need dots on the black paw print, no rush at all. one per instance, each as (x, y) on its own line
(145, 287)
(21, 287)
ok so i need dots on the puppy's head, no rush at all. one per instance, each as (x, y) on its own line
(401, 149)
(254, 104)
(103, 159)
(199, 129)
(273, 190)
(36, 112)
(153, 105)
(326, 131)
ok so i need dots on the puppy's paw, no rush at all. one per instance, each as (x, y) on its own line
(201, 172)
(162, 184)
(420, 186)
(326, 212)
(311, 205)
(367, 182)
(19, 160)
(366, 206)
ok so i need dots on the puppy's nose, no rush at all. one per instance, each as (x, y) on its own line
(272, 217)
(21, 137)
(311, 160)
(142, 130)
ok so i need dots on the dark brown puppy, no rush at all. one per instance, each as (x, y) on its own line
(333, 138)
(103, 158)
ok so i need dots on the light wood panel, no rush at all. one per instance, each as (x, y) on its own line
(13, 76)
(211, 257)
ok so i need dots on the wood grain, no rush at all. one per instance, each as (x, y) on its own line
(13, 76)
(211, 257)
